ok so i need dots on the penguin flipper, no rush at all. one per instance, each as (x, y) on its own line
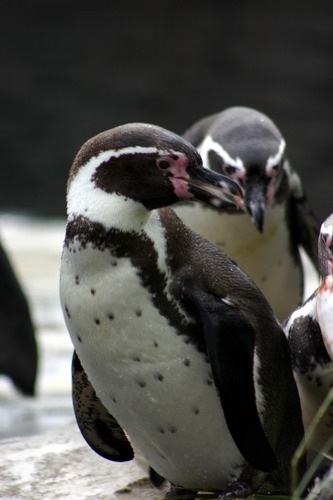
(304, 222)
(98, 427)
(230, 341)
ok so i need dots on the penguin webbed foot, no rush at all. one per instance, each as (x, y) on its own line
(175, 491)
(236, 490)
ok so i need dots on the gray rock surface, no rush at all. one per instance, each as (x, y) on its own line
(59, 464)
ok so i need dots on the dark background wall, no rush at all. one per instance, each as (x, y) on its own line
(72, 68)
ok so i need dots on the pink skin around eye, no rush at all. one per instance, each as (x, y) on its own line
(272, 176)
(270, 191)
(179, 175)
(177, 166)
(238, 175)
(181, 189)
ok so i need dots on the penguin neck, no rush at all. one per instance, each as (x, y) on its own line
(112, 210)
(117, 212)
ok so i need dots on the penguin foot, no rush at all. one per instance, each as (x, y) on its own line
(174, 491)
(236, 490)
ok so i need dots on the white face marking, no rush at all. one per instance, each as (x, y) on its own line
(209, 144)
(109, 209)
(275, 159)
(327, 226)
(129, 150)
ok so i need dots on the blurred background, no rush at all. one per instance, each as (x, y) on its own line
(70, 69)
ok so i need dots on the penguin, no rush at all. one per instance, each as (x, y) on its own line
(19, 351)
(177, 354)
(309, 330)
(246, 145)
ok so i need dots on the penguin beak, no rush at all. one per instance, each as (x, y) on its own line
(214, 188)
(255, 201)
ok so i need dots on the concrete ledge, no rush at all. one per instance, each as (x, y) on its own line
(59, 464)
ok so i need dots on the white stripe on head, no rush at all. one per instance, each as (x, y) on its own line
(105, 156)
(209, 144)
(327, 226)
(85, 198)
(275, 159)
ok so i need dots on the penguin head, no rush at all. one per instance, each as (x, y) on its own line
(245, 145)
(325, 247)
(147, 164)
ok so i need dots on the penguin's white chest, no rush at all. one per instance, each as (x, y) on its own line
(265, 257)
(153, 381)
(313, 388)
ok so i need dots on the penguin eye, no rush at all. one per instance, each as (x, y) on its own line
(163, 164)
(229, 170)
(275, 169)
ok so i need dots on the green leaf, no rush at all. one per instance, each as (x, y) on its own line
(299, 485)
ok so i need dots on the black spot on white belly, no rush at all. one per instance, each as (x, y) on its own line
(79, 339)
(97, 321)
(138, 313)
(136, 359)
(111, 316)
(196, 411)
(141, 383)
(159, 377)
(187, 362)
(92, 291)
(77, 280)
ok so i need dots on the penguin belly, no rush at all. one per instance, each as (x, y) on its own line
(156, 384)
(313, 388)
(265, 257)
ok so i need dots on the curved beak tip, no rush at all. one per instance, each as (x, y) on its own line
(258, 219)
